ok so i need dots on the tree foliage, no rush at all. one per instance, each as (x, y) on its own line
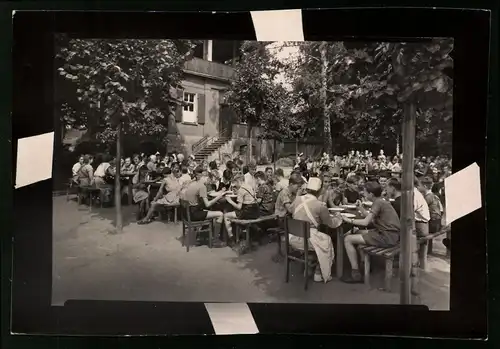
(121, 80)
(262, 99)
(368, 84)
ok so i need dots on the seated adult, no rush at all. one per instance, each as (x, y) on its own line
(308, 208)
(386, 233)
(280, 181)
(195, 192)
(246, 206)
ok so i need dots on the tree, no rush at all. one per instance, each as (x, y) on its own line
(254, 93)
(123, 86)
(383, 77)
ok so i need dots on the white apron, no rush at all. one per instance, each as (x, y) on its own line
(320, 242)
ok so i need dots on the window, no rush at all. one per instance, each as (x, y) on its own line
(189, 110)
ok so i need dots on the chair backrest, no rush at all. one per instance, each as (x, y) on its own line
(185, 214)
(297, 227)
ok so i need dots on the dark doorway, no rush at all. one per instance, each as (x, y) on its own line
(226, 120)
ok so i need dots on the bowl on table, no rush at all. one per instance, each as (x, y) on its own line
(336, 209)
(350, 207)
(367, 203)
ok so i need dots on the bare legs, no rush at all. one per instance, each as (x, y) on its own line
(349, 242)
(227, 221)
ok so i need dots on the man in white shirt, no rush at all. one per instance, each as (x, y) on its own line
(249, 176)
(422, 214)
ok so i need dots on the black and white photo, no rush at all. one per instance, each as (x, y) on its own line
(249, 171)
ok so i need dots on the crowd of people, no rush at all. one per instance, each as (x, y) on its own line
(237, 190)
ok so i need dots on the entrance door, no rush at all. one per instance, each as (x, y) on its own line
(226, 120)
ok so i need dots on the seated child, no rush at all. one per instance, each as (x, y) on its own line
(246, 206)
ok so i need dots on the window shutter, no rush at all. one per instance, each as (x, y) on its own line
(201, 109)
(178, 108)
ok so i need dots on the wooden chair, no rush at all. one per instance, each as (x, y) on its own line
(192, 229)
(299, 229)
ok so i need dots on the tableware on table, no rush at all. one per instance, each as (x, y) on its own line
(351, 207)
(336, 209)
(367, 203)
(391, 200)
(348, 215)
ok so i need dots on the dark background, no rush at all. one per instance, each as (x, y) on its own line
(32, 114)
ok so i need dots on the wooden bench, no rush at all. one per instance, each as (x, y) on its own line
(244, 224)
(389, 254)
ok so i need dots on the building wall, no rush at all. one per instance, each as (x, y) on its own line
(183, 135)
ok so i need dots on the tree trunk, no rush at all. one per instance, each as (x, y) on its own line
(327, 132)
(249, 144)
(274, 156)
(118, 193)
(397, 145)
(408, 259)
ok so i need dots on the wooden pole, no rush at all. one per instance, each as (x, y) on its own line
(407, 210)
(118, 194)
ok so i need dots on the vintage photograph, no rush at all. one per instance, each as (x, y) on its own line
(249, 171)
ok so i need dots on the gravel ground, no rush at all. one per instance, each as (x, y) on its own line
(148, 263)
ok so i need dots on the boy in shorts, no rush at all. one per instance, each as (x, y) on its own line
(386, 233)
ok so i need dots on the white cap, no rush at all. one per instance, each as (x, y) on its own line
(314, 184)
(192, 156)
(157, 153)
(301, 154)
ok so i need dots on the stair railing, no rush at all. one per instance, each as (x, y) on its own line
(206, 141)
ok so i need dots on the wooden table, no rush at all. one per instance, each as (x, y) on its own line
(340, 232)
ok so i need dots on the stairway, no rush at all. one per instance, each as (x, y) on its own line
(208, 150)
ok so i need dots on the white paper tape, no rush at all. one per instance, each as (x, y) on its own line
(463, 193)
(231, 318)
(278, 25)
(34, 159)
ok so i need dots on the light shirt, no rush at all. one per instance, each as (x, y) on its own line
(250, 181)
(420, 206)
(317, 209)
(184, 179)
(76, 168)
(246, 195)
(100, 171)
(282, 184)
